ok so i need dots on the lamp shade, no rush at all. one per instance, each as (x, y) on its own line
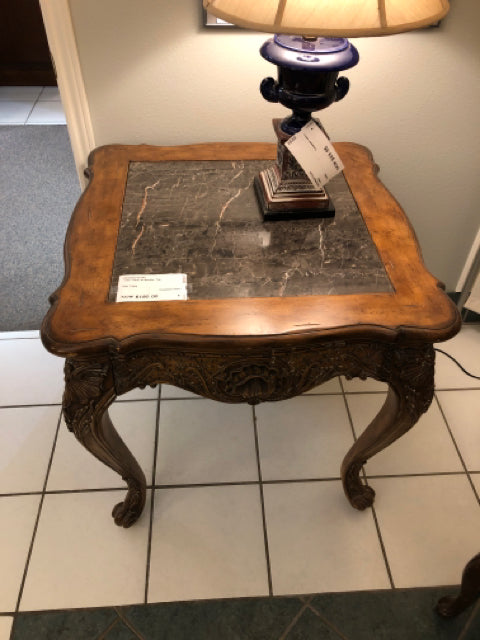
(346, 18)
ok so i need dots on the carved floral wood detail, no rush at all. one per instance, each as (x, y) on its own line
(275, 374)
(84, 385)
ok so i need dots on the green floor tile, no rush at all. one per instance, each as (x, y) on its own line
(80, 624)
(472, 631)
(239, 619)
(120, 632)
(402, 614)
(311, 627)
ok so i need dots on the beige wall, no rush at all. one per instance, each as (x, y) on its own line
(152, 74)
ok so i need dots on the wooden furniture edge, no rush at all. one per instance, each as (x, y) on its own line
(378, 207)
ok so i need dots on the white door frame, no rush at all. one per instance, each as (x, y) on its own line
(469, 262)
(63, 47)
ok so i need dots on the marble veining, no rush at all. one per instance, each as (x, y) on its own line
(202, 218)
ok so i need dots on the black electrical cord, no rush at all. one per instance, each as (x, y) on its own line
(458, 364)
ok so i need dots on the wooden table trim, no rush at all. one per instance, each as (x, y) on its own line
(417, 310)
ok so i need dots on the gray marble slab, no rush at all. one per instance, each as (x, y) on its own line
(201, 218)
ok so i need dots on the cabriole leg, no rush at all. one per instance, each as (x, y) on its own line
(89, 391)
(409, 374)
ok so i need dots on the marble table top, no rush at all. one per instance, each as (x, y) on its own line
(201, 218)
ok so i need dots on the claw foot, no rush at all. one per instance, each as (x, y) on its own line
(362, 498)
(448, 607)
(127, 512)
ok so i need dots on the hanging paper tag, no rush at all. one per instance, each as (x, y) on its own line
(152, 287)
(315, 154)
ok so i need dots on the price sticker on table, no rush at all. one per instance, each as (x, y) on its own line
(315, 154)
(152, 287)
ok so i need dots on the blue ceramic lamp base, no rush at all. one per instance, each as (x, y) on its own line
(308, 81)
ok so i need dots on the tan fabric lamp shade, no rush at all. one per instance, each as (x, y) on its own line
(345, 18)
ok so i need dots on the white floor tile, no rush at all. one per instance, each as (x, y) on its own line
(462, 411)
(426, 448)
(331, 386)
(202, 441)
(476, 481)
(170, 392)
(29, 94)
(305, 437)
(140, 394)
(14, 112)
(429, 526)
(17, 515)
(318, 543)
(207, 542)
(356, 385)
(26, 440)
(49, 93)
(73, 467)
(81, 558)
(29, 374)
(47, 112)
(24, 335)
(5, 627)
(464, 347)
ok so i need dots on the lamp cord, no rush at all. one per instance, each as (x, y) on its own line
(457, 363)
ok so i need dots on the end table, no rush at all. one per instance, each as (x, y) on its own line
(273, 310)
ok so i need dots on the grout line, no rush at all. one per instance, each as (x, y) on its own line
(306, 599)
(30, 406)
(477, 388)
(21, 493)
(414, 475)
(233, 483)
(262, 502)
(293, 622)
(293, 480)
(184, 398)
(91, 490)
(152, 495)
(457, 449)
(20, 337)
(128, 400)
(35, 527)
(110, 627)
(204, 484)
(349, 415)
(127, 623)
(326, 621)
(382, 546)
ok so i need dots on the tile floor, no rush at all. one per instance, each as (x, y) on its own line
(242, 502)
(30, 105)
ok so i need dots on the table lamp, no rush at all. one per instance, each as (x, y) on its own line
(310, 48)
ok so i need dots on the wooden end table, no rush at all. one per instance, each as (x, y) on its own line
(273, 309)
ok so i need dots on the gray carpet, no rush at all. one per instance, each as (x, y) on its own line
(38, 191)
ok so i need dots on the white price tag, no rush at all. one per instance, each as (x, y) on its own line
(315, 154)
(152, 287)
